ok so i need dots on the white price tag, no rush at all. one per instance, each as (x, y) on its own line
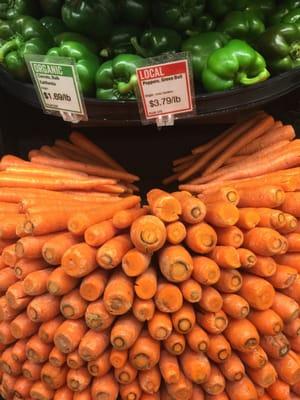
(166, 90)
(57, 85)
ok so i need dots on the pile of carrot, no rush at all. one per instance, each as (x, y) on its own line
(184, 298)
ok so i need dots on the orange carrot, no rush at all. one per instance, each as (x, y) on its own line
(169, 367)
(291, 204)
(279, 390)
(214, 323)
(126, 374)
(284, 277)
(118, 295)
(295, 388)
(69, 334)
(105, 387)
(288, 368)
(175, 344)
(176, 232)
(191, 291)
(31, 370)
(290, 226)
(97, 235)
(292, 328)
(230, 236)
(275, 346)
(255, 359)
(59, 283)
(74, 361)
(264, 267)
(47, 329)
(31, 247)
(160, 326)
(290, 259)
(118, 358)
(4, 243)
(148, 234)
(43, 223)
(264, 196)
(267, 322)
(211, 300)
(249, 218)
(263, 241)
(257, 292)
(135, 263)
(110, 254)
(79, 260)
(295, 344)
(201, 238)
(168, 298)
(205, 271)
(222, 214)
(193, 209)
(132, 390)
(145, 353)
(6, 312)
(22, 327)
(18, 351)
(125, 332)
(8, 226)
(124, 219)
(54, 249)
(293, 242)
(22, 388)
(184, 319)
(242, 335)
(235, 306)
(150, 380)
(93, 285)
(101, 366)
(43, 308)
(9, 256)
(16, 297)
(35, 283)
(226, 257)
(228, 194)
(163, 205)
(197, 339)
(78, 379)
(219, 349)
(241, 390)
(146, 284)
(64, 393)
(285, 307)
(8, 364)
(270, 218)
(72, 305)
(220, 396)
(7, 279)
(79, 222)
(230, 281)
(53, 377)
(181, 389)
(37, 351)
(25, 266)
(233, 369)
(293, 291)
(93, 344)
(97, 317)
(175, 263)
(215, 383)
(40, 391)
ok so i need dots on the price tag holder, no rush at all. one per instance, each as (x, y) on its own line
(57, 86)
(166, 89)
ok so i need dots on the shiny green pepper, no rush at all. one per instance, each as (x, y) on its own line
(219, 8)
(6, 30)
(120, 41)
(235, 64)
(203, 23)
(135, 12)
(293, 17)
(116, 79)
(87, 63)
(156, 41)
(245, 25)
(76, 37)
(287, 6)
(14, 8)
(54, 25)
(51, 8)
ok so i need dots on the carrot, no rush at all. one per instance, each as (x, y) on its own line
(230, 236)
(175, 263)
(7, 385)
(93, 344)
(105, 388)
(74, 361)
(263, 241)
(219, 349)
(201, 238)
(97, 235)
(93, 285)
(230, 281)
(101, 366)
(40, 391)
(118, 358)
(145, 353)
(183, 389)
(270, 218)
(72, 305)
(18, 351)
(290, 226)
(132, 390)
(284, 277)
(191, 290)
(148, 234)
(169, 367)
(78, 379)
(222, 214)
(118, 295)
(211, 143)
(183, 160)
(150, 380)
(90, 169)
(44, 223)
(241, 390)
(176, 232)
(193, 209)
(160, 326)
(211, 300)
(214, 323)
(3, 244)
(8, 226)
(264, 196)
(264, 267)
(79, 260)
(290, 259)
(232, 368)
(8, 364)
(35, 283)
(6, 312)
(16, 297)
(235, 306)
(79, 222)
(124, 219)
(110, 254)
(288, 368)
(275, 346)
(168, 297)
(37, 351)
(293, 242)
(22, 327)
(226, 257)
(31, 247)
(163, 205)
(295, 387)
(43, 308)
(257, 292)
(69, 334)
(63, 144)
(279, 390)
(31, 371)
(215, 383)
(59, 283)
(54, 249)
(249, 218)
(146, 284)
(53, 377)
(22, 388)
(227, 194)
(292, 328)
(184, 319)
(205, 271)
(248, 258)
(9, 256)
(125, 332)
(175, 344)
(197, 339)
(24, 267)
(255, 359)
(291, 204)
(293, 290)
(267, 322)
(126, 374)
(242, 335)
(220, 396)
(97, 317)
(64, 393)
(7, 279)
(285, 307)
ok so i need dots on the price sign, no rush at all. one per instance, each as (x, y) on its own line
(166, 90)
(57, 85)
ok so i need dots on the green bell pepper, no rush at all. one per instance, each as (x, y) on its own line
(235, 64)
(90, 17)
(156, 41)
(87, 63)
(293, 17)
(203, 23)
(116, 79)
(6, 30)
(120, 41)
(245, 25)
(220, 8)
(135, 12)
(283, 10)
(30, 37)
(14, 8)
(51, 8)
(54, 25)
(177, 14)
(76, 37)
(201, 46)
(280, 45)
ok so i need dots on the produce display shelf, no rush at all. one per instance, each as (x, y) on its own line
(208, 105)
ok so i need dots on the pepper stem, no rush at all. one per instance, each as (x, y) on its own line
(8, 47)
(139, 49)
(244, 80)
(125, 88)
(104, 53)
